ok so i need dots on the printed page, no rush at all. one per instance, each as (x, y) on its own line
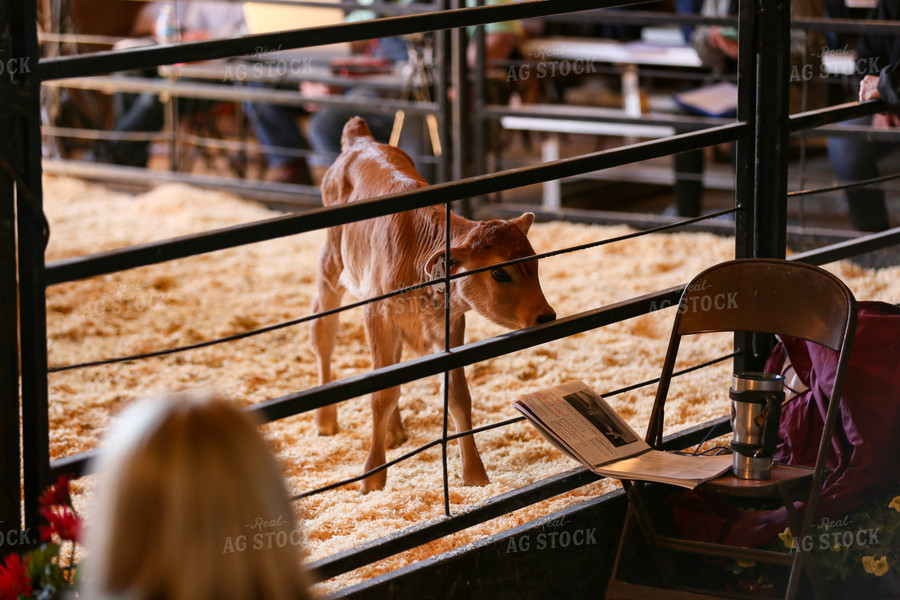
(585, 425)
(665, 467)
(579, 422)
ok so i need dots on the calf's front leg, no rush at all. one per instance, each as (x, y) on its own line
(473, 472)
(386, 348)
(460, 401)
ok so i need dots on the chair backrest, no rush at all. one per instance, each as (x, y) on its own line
(767, 296)
(764, 296)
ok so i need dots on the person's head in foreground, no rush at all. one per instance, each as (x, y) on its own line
(190, 504)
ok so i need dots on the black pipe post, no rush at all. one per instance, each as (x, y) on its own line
(461, 141)
(761, 228)
(480, 125)
(745, 154)
(772, 127)
(761, 168)
(745, 149)
(32, 240)
(10, 440)
(443, 61)
(10, 483)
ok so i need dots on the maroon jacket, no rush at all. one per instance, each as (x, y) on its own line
(865, 458)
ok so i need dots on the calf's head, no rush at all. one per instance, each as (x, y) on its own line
(510, 296)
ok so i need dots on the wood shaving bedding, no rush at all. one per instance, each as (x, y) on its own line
(232, 291)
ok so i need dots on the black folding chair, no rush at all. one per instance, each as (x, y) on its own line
(770, 297)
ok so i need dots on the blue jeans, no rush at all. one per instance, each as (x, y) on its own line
(326, 125)
(140, 113)
(853, 159)
(688, 7)
(276, 125)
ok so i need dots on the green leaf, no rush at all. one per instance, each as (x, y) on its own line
(39, 558)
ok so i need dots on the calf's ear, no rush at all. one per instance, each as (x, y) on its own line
(524, 222)
(459, 255)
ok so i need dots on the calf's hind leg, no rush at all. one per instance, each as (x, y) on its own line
(323, 330)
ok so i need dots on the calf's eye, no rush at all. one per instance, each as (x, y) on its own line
(501, 276)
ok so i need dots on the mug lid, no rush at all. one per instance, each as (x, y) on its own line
(757, 382)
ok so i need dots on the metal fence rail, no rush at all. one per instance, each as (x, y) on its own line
(761, 130)
(140, 58)
(291, 224)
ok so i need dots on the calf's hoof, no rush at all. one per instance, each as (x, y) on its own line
(373, 483)
(476, 479)
(329, 429)
(326, 420)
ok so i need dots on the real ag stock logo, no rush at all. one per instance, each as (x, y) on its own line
(549, 62)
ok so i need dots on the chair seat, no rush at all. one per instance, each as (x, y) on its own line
(783, 478)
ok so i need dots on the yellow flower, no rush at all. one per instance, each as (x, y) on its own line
(895, 503)
(875, 567)
(787, 538)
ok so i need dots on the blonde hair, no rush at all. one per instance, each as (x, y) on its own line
(191, 504)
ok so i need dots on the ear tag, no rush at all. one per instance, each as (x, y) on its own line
(439, 271)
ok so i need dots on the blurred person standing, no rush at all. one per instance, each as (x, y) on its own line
(856, 158)
(190, 504)
(717, 47)
(326, 124)
(275, 125)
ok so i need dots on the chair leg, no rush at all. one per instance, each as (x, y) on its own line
(623, 537)
(800, 565)
(640, 514)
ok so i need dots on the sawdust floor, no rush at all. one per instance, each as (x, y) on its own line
(232, 291)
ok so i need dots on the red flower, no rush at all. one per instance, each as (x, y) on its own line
(13, 580)
(58, 493)
(62, 521)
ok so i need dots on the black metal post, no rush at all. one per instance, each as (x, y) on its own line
(10, 486)
(772, 128)
(461, 141)
(10, 482)
(745, 150)
(443, 61)
(32, 240)
(745, 155)
(761, 228)
(480, 125)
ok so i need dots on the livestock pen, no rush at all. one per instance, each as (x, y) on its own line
(761, 131)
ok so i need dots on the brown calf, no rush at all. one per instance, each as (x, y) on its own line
(373, 257)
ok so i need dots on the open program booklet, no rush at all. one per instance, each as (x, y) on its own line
(579, 422)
